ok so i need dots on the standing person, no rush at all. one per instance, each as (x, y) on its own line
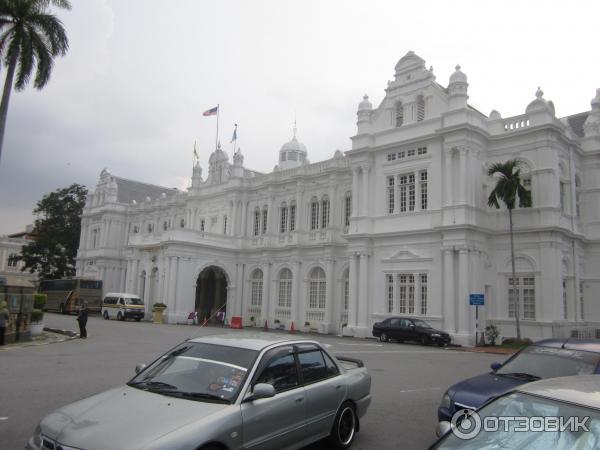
(3, 321)
(82, 319)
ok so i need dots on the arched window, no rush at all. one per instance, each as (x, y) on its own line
(150, 227)
(325, 212)
(265, 216)
(292, 216)
(165, 225)
(316, 294)
(420, 108)
(285, 288)
(256, 221)
(182, 223)
(399, 114)
(314, 213)
(347, 208)
(257, 287)
(283, 224)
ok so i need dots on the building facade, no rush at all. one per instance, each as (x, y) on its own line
(398, 224)
(11, 277)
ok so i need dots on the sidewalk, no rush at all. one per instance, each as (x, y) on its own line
(49, 336)
(494, 350)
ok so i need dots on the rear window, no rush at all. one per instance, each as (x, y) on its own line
(134, 301)
(546, 362)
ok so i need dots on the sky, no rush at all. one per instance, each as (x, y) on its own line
(130, 93)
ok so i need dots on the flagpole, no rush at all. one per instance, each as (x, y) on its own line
(217, 138)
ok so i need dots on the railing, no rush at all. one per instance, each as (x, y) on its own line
(315, 315)
(255, 310)
(583, 331)
(516, 123)
(283, 313)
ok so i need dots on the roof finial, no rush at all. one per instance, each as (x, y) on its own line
(539, 93)
(295, 128)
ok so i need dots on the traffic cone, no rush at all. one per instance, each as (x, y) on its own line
(292, 329)
(266, 328)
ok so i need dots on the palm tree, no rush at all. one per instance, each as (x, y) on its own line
(29, 37)
(508, 189)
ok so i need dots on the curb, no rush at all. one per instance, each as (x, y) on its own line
(68, 333)
(50, 337)
(492, 351)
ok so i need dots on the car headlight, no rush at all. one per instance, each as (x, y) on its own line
(446, 401)
(436, 335)
(37, 436)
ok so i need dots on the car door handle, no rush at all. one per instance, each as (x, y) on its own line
(299, 399)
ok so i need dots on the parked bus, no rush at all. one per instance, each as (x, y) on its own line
(66, 295)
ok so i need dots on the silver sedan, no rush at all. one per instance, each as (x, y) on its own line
(221, 393)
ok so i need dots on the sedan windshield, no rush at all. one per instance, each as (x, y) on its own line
(421, 323)
(521, 406)
(198, 371)
(544, 362)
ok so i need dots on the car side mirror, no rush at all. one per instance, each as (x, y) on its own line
(261, 390)
(442, 428)
(139, 368)
(495, 366)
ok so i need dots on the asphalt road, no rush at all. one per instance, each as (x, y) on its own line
(407, 380)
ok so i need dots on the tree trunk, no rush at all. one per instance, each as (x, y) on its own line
(6, 97)
(514, 288)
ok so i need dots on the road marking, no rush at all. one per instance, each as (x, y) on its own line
(420, 390)
(363, 345)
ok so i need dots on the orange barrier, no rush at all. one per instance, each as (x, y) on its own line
(236, 322)
(292, 329)
(266, 328)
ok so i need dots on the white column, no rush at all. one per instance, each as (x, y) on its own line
(463, 175)
(300, 218)
(175, 282)
(448, 291)
(329, 293)
(365, 196)
(233, 219)
(353, 291)
(448, 177)
(463, 292)
(3, 256)
(128, 277)
(417, 294)
(295, 292)
(266, 306)
(244, 218)
(123, 279)
(363, 300)
(334, 220)
(355, 192)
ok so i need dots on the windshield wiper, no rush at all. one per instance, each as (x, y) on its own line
(520, 375)
(198, 395)
(152, 385)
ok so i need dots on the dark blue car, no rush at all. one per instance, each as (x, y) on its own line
(549, 358)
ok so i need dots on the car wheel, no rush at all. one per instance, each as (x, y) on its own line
(441, 344)
(137, 319)
(383, 337)
(344, 427)
(425, 340)
(120, 316)
(105, 315)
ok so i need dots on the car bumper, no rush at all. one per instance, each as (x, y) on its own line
(441, 339)
(134, 314)
(362, 405)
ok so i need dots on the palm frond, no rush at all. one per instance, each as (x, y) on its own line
(25, 61)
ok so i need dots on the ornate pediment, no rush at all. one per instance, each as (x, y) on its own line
(405, 256)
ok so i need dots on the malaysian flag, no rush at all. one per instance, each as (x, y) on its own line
(211, 112)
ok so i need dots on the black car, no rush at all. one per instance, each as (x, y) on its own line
(405, 329)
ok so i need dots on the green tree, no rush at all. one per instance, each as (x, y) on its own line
(57, 228)
(30, 37)
(509, 190)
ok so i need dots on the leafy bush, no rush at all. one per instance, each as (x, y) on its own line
(39, 301)
(37, 315)
(491, 333)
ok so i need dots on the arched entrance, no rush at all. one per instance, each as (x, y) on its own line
(211, 293)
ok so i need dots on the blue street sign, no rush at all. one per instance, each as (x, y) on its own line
(476, 299)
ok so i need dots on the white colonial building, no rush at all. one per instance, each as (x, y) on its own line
(399, 224)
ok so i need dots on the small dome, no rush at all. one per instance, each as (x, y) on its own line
(218, 156)
(365, 104)
(458, 76)
(294, 145)
(292, 153)
(495, 115)
(409, 62)
(539, 104)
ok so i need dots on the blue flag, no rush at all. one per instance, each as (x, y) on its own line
(234, 137)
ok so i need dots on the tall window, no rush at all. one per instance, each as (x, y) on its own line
(256, 222)
(285, 288)
(314, 214)
(577, 196)
(563, 197)
(390, 194)
(13, 260)
(292, 216)
(165, 225)
(346, 289)
(316, 296)
(423, 294)
(202, 225)
(182, 223)
(407, 293)
(423, 180)
(265, 216)
(420, 108)
(284, 218)
(347, 208)
(525, 287)
(325, 212)
(224, 224)
(407, 192)
(95, 236)
(390, 293)
(399, 114)
(564, 298)
(257, 287)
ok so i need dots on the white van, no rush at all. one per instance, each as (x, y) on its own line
(122, 306)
